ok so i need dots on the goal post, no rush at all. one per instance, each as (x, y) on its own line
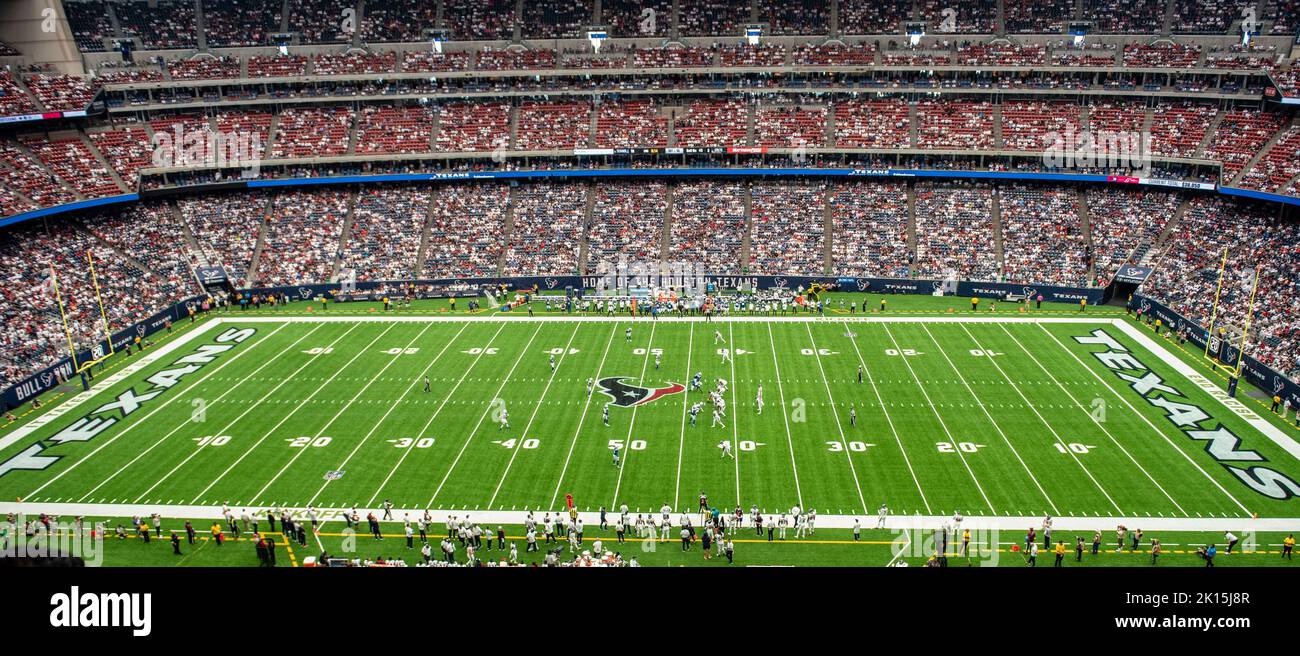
(97, 355)
(1225, 344)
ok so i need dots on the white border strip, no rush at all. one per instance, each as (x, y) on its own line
(488, 517)
(1206, 385)
(148, 358)
(944, 318)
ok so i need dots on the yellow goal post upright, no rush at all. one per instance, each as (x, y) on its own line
(1250, 316)
(1216, 336)
(97, 354)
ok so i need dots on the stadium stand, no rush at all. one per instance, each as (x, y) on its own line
(1042, 237)
(869, 228)
(466, 231)
(789, 228)
(954, 231)
(709, 223)
(387, 226)
(547, 234)
(626, 222)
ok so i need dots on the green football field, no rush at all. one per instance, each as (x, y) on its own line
(1087, 418)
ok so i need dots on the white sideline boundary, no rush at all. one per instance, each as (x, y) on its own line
(828, 521)
(516, 517)
(147, 358)
(1233, 405)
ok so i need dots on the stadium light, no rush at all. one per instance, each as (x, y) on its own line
(914, 33)
(597, 36)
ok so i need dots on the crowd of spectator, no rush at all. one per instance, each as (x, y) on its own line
(627, 221)
(1121, 222)
(1028, 125)
(788, 235)
(954, 231)
(709, 223)
(312, 131)
(1278, 167)
(1042, 235)
(226, 229)
(466, 231)
(546, 237)
(1187, 277)
(302, 237)
(553, 126)
(1239, 135)
(956, 125)
(387, 226)
(166, 24)
(40, 258)
(869, 228)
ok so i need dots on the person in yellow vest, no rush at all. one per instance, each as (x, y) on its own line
(324, 303)
(385, 304)
(1288, 545)
(217, 534)
(137, 342)
(1277, 400)
(1060, 553)
(974, 303)
(1157, 326)
(1083, 305)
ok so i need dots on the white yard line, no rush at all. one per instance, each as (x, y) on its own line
(835, 412)
(1088, 412)
(942, 424)
(435, 414)
(618, 484)
(183, 424)
(486, 411)
(232, 422)
(345, 407)
(735, 423)
(151, 413)
(578, 431)
(1144, 418)
(686, 402)
(540, 399)
(888, 419)
(361, 351)
(1016, 525)
(980, 402)
(785, 418)
(375, 426)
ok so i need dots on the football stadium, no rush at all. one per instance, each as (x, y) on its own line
(663, 283)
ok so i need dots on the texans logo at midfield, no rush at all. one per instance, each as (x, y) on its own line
(628, 396)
